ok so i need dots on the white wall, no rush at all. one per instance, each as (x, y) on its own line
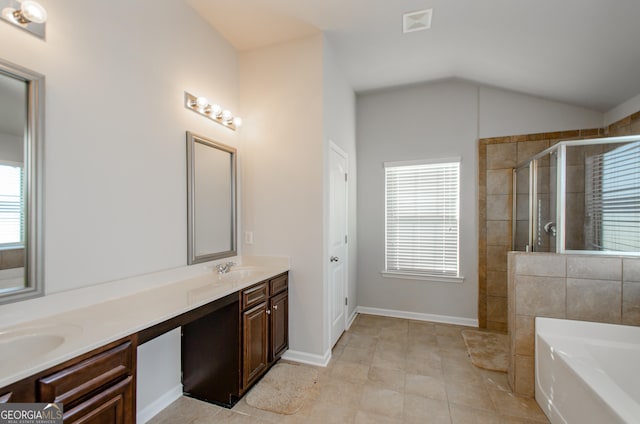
(623, 110)
(115, 149)
(438, 120)
(115, 130)
(339, 113)
(281, 97)
(505, 113)
(416, 122)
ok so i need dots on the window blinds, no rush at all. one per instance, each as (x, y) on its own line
(11, 222)
(422, 218)
(613, 199)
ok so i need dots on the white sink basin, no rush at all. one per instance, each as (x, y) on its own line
(22, 345)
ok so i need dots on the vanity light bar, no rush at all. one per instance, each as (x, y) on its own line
(201, 106)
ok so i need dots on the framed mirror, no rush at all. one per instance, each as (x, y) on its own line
(21, 176)
(211, 199)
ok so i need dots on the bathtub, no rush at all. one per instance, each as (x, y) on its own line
(587, 372)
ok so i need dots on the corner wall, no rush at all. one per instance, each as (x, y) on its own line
(339, 117)
(282, 104)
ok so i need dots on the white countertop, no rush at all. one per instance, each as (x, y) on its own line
(78, 321)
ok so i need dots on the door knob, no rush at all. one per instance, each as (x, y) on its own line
(334, 259)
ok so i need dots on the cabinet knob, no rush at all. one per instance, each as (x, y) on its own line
(334, 259)
(268, 312)
(275, 307)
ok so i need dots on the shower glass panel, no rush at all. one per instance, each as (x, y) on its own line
(581, 195)
(521, 223)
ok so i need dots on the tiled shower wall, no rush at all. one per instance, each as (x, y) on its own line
(497, 157)
(580, 287)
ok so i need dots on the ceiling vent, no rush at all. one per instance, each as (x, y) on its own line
(416, 21)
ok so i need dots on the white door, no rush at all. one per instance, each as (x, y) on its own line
(337, 241)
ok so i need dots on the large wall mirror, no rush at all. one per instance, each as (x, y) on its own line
(211, 199)
(21, 123)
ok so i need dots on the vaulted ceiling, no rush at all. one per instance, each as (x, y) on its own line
(582, 52)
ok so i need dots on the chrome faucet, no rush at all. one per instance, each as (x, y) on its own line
(224, 268)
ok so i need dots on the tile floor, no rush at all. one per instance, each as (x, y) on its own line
(388, 370)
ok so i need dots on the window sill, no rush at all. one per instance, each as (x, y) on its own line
(426, 277)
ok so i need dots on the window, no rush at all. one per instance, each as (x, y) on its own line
(613, 199)
(422, 211)
(11, 199)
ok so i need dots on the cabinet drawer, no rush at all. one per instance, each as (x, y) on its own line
(278, 284)
(112, 406)
(76, 382)
(254, 295)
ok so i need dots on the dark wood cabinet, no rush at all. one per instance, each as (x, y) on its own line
(279, 325)
(97, 387)
(211, 354)
(265, 327)
(110, 406)
(255, 333)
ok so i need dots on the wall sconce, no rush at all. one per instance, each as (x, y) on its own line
(28, 15)
(201, 106)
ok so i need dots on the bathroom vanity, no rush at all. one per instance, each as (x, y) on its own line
(235, 326)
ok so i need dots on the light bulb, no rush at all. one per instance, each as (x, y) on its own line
(33, 11)
(202, 102)
(227, 116)
(216, 110)
(9, 13)
(237, 121)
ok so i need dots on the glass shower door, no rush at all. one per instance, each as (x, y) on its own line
(545, 171)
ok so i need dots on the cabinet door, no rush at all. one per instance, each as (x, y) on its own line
(111, 406)
(255, 343)
(279, 325)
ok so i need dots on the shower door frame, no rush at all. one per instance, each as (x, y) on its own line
(561, 186)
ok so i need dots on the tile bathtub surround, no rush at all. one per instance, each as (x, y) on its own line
(579, 287)
(388, 370)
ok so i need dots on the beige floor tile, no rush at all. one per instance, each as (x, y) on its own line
(185, 410)
(349, 371)
(331, 413)
(386, 378)
(341, 392)
(423, 366)
(473, 395)
(422, 410)
(425, 386)
(516, 406)
(229, 417)
(358, 356)
(461, 375)
(362, 341)
(388, 371)
(495, 380)
(384, 402)
(464, 415)
(363, 417)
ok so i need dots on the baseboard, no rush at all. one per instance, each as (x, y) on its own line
(308, 358)
(445, 319)
(159, 404)
(351, 319)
